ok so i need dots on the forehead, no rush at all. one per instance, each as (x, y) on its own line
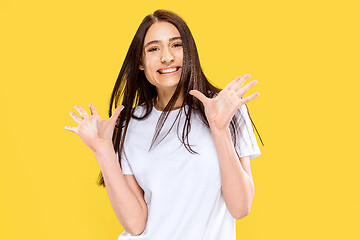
(161, 31)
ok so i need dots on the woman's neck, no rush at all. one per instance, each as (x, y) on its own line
(161, 101)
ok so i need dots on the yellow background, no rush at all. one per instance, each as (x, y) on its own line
(304, 54)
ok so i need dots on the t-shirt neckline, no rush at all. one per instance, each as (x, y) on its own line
(160, 112)
(172, 111)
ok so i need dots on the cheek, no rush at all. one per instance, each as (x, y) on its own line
(150, 70)
(149, 65)
(149, 74)
(179, 55)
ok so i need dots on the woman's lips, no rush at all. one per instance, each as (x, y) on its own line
(169, 73)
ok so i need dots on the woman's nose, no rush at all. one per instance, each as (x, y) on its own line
(167, 56)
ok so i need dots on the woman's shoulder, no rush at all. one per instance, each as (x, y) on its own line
(139, 109)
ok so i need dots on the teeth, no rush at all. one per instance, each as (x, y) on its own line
(168, 70)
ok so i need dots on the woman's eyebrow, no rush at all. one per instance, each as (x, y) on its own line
(157, 41)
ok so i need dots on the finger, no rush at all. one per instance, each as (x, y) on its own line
(93, 109)
(81, 111)
(240, 92)
(199, 95)
(73, 129)
(116, 113)
(238, 85)
(231, 84)
(77, 119)
(249, 98)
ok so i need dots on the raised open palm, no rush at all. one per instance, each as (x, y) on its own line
(92, 129)
(220, 110)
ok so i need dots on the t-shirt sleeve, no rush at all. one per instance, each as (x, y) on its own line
(125, 166)
(246, 144)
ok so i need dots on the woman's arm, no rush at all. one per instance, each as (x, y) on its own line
(126, 199)
(236, 179)
(129, 208)
(237, 183)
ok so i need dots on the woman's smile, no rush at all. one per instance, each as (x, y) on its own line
(169, 71)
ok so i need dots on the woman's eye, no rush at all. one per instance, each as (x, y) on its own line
(177, 45)
(152, 49)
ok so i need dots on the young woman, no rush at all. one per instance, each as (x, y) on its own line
(176, 161)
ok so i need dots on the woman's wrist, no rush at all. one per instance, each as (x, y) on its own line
(217, 131)
(103, 148)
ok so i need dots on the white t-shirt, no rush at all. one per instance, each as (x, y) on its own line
(182, 190)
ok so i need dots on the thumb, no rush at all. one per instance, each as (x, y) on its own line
(198, 95)
(116, 113)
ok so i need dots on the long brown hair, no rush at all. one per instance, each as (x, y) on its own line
(134, 89)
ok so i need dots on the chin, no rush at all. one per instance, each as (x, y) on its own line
(167, 87)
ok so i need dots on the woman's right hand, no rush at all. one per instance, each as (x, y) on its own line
(93, 130)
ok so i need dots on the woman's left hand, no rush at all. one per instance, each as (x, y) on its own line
(220, 110)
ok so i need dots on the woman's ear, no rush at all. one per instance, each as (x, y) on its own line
(141, 67)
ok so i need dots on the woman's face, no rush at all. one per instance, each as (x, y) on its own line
(162, 56)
